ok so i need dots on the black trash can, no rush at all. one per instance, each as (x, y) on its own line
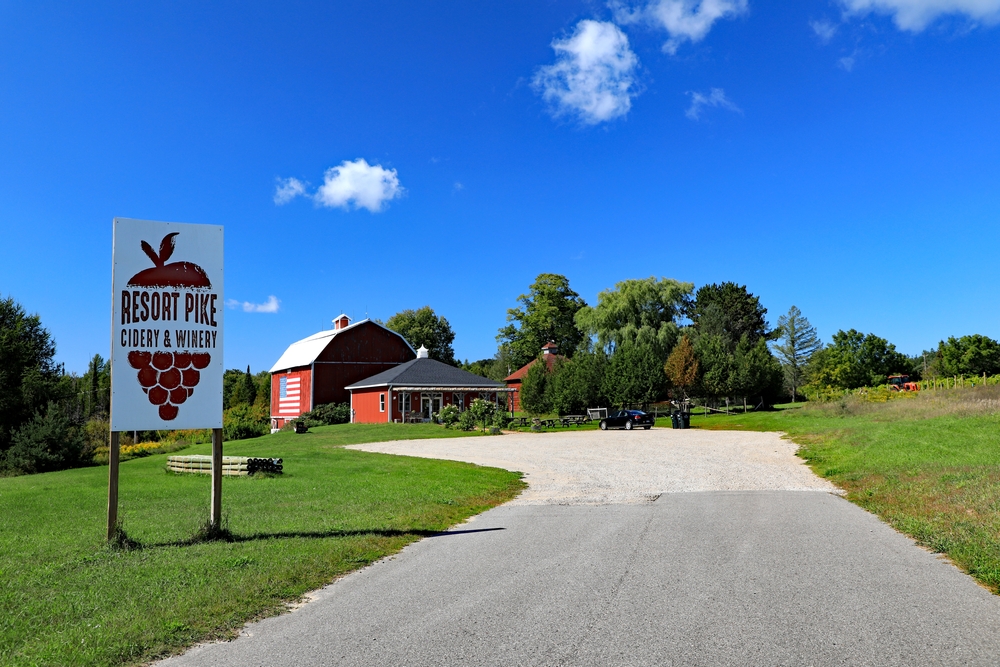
(685, 420)
(675, 420)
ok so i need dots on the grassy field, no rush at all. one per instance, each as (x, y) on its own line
(67, 599)
(927, 465)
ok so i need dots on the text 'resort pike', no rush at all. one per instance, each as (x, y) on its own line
(142, 306)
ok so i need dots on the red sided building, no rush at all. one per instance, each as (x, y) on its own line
(418, 389)
(549, 355)
(316, 370)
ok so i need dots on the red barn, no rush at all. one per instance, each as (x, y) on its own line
(316, 370)
(549, 354)
(418, 389)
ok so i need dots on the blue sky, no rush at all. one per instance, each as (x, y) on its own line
(842, 156)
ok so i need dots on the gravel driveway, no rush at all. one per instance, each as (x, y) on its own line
(609, 559)
(627, 467)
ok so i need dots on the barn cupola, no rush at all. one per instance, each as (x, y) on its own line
(550, 348)
(341, 322)
(423, 353)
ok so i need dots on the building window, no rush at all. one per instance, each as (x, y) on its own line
(404, 403)
(381, 402)
(458, 400)
(283, 387)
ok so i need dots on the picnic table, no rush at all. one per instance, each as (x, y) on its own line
(574, 420)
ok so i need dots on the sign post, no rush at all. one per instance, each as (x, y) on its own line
(166, 339)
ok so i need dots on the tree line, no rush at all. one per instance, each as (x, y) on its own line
(643, 341)
(650, 340)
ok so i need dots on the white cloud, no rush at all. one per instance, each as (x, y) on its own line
(287, 190)
(359, 184)
(824, 29)
(593, 76)
(684, 20)
(915, 15)
(270, 306)
(847, 63)
(715, 98)
(457, 187)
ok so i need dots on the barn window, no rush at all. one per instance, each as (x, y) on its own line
(283, 387)
(404, 402)
(381, 402)
(458, 400)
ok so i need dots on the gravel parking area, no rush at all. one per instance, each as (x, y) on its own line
(627, 467)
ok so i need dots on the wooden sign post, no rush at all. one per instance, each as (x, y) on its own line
(166, 339)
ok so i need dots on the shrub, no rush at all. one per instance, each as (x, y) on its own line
(449, 415)
(467, 421)
(245, 421)
(328, 414)
(49, 441)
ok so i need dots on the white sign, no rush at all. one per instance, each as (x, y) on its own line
(166, 326)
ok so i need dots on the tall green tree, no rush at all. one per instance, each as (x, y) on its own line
(716, 364)
(856, 360)
(547, 313)
(796, 343)
(740, 311)
(575, 384)
(535, 389)
(424, 327)
(643, 312)
(968, 355)
(28, 373)
(756, 372)
(634, 376)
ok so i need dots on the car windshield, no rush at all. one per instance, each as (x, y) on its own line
(636, 412)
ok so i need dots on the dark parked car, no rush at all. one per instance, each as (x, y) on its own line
(627, 419)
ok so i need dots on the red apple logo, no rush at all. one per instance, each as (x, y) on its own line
(175, 274)
(168, 378)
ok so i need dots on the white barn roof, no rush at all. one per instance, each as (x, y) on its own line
(305, 351)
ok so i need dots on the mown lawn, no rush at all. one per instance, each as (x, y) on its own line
(67, 599)
(928, 466)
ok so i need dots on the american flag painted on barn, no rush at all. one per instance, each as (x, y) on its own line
(290, 396)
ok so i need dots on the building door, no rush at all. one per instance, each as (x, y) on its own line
(430, 404)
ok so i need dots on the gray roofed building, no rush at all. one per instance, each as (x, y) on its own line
(427, 373)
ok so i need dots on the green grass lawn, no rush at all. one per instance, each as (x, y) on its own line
(67, 599)
(929, 466)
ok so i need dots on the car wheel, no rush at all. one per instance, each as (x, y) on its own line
(645, 428)
(628, 426)
(604, 425)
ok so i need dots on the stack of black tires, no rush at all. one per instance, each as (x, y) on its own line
(272, 466)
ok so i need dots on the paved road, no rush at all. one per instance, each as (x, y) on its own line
(765, 577)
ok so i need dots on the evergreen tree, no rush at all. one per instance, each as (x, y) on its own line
(49, 441)
(743, 314)
(797, 342)
(575, 383)
(28, 373)
(534, 389)
(634, 376)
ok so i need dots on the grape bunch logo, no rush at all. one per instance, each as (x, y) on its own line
(168, 378)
